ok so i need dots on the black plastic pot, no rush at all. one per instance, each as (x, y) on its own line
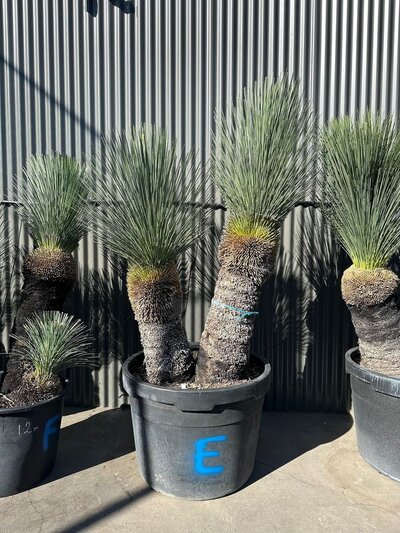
(28, 444)
(376, 405)
(195, 444)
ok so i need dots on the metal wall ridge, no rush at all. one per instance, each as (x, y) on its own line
(71, 70)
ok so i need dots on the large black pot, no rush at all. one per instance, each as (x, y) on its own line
(28, 444)
(376, 405)
(195, 444)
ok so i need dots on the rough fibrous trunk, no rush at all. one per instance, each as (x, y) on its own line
(373, 298)
(246, 263)
(157, 304)
(49, 275)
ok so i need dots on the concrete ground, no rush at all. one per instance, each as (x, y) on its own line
(308, 477)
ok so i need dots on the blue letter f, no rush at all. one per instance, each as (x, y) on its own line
(50, 429)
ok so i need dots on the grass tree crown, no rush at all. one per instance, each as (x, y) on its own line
(53, 342)
(53, 198)
(360, 187)
(148, 193)
(261, 161)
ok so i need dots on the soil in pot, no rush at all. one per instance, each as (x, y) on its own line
(251, 371)
(26, 391)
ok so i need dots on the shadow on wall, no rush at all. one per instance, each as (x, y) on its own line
(11, 257)
(395, 264)
(305, 327)
(280, 335)
(100, 299)
(329, 321)
(126, 6)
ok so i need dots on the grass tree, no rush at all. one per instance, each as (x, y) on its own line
(53, 207)
(52, 342)
(361, 200)
(148, 218)
(261, 167)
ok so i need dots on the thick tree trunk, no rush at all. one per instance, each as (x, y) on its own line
(157, 303)
(373, 298)
(49, 275)
(224, 350)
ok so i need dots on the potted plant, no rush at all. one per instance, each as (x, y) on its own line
(361, 200)
(30, 415)
(196, 432)
(53, 207)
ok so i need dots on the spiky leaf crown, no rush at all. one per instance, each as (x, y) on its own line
(53, 342)
(53, 195)
(360, 184)
(263, 153)
(147, 194)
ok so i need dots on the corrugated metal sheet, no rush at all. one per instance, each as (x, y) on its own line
(70, 70)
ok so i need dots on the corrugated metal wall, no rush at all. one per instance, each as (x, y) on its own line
(72, 69)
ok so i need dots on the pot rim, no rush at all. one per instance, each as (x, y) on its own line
(33, 406)
(196, 399)
(380, 382)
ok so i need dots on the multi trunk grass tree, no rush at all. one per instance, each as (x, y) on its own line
(53, 207)
(361, 200)
(261, 166)
(147, 194)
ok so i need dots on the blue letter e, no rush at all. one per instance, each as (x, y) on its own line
(201, 453)
(50, 429)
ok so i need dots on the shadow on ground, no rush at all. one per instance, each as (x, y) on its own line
(107, 435)
(101, 437)
(286, 436)
(115, 507)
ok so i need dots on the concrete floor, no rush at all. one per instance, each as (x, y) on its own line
(308, 477)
